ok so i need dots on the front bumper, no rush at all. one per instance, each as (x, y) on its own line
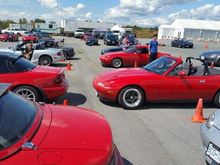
(52, 93)
(58, 58)
(209, 135)
(105, 92)
(105, 61)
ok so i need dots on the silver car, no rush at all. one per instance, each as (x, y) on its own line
(210, 135)
(46, 56)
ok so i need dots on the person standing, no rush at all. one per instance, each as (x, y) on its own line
(153, 47)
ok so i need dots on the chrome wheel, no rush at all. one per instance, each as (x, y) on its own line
(131, 97)
(26, 93)
(45, 60)
(117, 63)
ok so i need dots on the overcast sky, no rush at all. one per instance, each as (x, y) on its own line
(134, 12)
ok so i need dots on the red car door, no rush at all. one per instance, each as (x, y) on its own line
(187, 88)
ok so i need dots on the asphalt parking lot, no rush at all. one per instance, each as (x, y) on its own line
(156, 134)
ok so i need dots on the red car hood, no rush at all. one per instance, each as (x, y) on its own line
(47, 69)
(125, 73)
(113, 54)
(77, 128)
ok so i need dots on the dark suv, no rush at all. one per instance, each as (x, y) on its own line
(182, 43)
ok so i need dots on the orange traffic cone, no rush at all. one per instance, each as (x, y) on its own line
(68, 67)
(198, 117)
(135, 64)
(212, 65)
(65, 102)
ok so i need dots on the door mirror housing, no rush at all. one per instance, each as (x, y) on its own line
(182, 74)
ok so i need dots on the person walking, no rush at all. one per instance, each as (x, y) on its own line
(153, 47)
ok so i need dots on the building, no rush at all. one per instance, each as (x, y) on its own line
(191, 29)
(71, 25)
(25, 26)
(50, 27)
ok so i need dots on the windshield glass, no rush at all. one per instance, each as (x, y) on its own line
(160, 66)
(131, 49)
(24, 64)
(16, 117)
(112, 36)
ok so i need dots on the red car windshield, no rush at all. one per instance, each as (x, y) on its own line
(23, 64)
(16, 117)
(160, 66)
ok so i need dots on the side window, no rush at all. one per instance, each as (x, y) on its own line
(13, 67)
(3, 66)
(144, 51)
(175, 70)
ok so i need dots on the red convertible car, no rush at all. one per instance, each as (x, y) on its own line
(34, 134)
(30, 38)
(135, 53)
(36, 83)
(166, 79)
(9, 36)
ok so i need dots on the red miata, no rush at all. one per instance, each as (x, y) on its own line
(166, 79)
(128, 57)
(36, 83)
(40, 134)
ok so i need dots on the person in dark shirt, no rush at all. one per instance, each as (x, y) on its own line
(153, 47)
(28, 52)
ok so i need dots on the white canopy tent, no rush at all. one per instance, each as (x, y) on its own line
(191, 29)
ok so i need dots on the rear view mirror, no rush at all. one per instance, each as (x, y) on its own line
(182, 74)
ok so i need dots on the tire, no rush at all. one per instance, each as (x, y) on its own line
(28, 92)
(66, 55)
(216, 100)
(45, 60)
(131, 97)
(218, 63)
(116, 63)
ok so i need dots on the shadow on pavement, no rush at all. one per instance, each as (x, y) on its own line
(75, 58)
(73, 99)
(148, 106)
(63, 64)
(126, 162)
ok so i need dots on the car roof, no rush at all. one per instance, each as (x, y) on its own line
(8, 53)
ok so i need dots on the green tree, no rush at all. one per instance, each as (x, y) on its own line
(23, 21)
(5, 23)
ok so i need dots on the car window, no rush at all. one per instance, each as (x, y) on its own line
(3, 66)
(175, 70)
(19, 65)
(16, 117)
(160, 66)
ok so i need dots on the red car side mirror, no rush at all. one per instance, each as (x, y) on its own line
(182, 74)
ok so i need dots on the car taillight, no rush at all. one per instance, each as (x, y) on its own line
(59, 54)
(59, 79)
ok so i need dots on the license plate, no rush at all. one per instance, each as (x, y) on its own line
(113, 42)
(213, 152)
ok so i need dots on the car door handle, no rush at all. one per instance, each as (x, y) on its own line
(202, 81)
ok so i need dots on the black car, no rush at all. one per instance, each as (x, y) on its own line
(212, 56)
(182, 43)
(111, 39)
(114, 49)
(91, 40)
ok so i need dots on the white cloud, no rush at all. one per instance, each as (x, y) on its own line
(89, 15)
(80, 6)
(16, 15)
(48, 3)
(208, 11)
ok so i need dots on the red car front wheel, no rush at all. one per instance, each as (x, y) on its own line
(131, 97)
